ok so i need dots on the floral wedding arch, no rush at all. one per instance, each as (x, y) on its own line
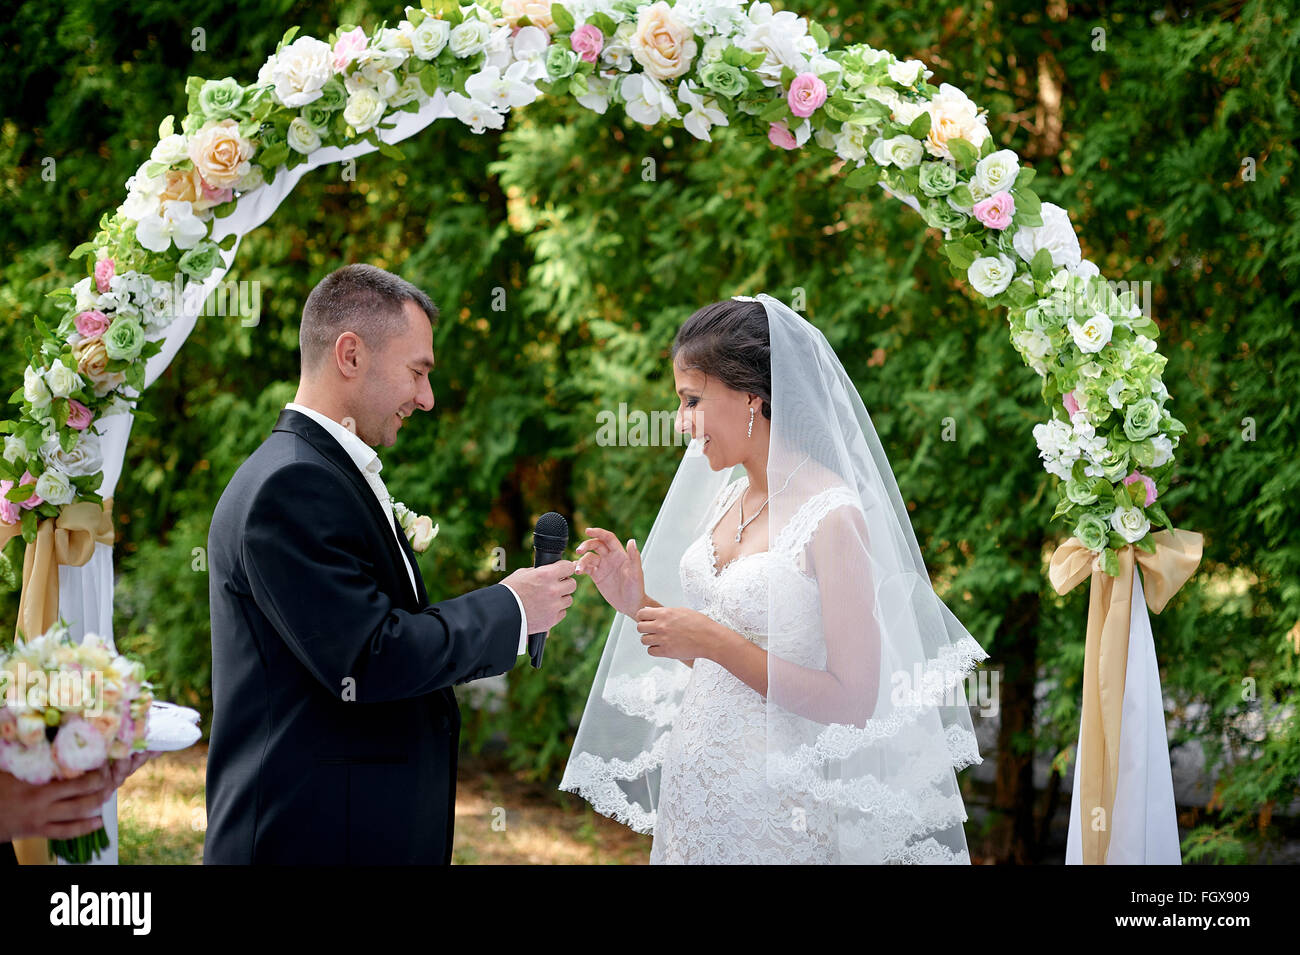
(700, 64)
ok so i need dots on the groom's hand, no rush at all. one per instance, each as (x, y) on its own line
(546, 593)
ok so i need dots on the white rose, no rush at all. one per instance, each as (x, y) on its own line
(468, 38)
(953, 115)
(300, 70)
(902, 151)
(906, 73)
(1129, 523)
(62, 380)
(429, 38)
(302, 136)
(376, 70)
(990, 275)
(1034, 344)
(423, 531)
(53, 486)
(83, 458)
(172, 149)
(15, 449)
(1094, 334)
(850, 142)
(1160, 443)
(34, 388)
(1056, 235)
(411, 90)
(995, 173)
(712, 50)
(365, 108)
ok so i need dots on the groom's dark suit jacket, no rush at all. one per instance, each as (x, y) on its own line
(335, 729)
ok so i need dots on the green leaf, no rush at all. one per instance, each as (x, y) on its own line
(603, 23)
(963, 152)
(819, 34)
(1025, 177)
(562, 17)
(959, 254)
(289, 34)
(920, 127)
(1110, 562)
(868, 174)
(1146, 544)
(1042, 266)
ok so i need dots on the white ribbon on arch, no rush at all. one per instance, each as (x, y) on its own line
(86, 592)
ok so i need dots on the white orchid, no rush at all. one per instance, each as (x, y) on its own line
(174, 223)
(704, 113)
(500, 91)
(475, 114)
(648, 100)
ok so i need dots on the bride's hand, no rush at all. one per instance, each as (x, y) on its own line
(615, 571)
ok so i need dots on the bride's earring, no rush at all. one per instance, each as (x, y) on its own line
(751, 423)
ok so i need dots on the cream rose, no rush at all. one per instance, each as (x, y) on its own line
(953, 116)
(220, 154)
(92, 361)
(662, 44)
(538, 13)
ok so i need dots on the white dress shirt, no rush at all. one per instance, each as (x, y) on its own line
(367, 461)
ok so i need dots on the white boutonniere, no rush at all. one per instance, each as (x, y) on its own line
(419, 529)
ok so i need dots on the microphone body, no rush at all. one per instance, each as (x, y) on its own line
(550, 538)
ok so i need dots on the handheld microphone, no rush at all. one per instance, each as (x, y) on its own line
(550, 538)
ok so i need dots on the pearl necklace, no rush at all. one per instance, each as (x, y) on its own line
(740, 528)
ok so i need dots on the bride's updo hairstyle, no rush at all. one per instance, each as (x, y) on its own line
(729, 341)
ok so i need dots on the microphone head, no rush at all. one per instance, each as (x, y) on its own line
(552, 531)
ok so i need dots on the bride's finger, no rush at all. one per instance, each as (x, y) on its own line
(604, 536)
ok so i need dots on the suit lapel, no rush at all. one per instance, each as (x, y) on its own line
(304, 427)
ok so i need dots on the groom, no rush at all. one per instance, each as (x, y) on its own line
(335, 729)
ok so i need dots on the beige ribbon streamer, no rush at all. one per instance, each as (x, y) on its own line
(67, 539)
(1105, 657)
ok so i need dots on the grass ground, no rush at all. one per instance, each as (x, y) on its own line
(161, 818)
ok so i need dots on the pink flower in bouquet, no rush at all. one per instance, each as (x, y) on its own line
(104, 271)
(347, 47)
(587, 41)
(1148, 483)
(78, 747)
(8, 509)
(1071, 404)
(91, 323)
(35, 498)
(79, 416)
(217, 196)
(807, 93)
(779, 135)
(31, 763)
(996, 211)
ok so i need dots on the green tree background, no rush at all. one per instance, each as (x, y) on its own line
(1168, 131)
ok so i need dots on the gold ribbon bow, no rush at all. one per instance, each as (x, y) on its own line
(67, 539)
(1105, 658)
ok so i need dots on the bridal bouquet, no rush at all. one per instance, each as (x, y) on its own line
(65, 710)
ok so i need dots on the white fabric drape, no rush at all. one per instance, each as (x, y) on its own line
(86, 592)
(1144, 822)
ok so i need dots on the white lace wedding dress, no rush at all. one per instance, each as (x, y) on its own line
(715, 804)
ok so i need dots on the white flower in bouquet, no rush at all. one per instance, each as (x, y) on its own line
(647, 99)
(302, 137)
(849, 143)
(32, 763)
(174, 223)
(704, 113)
(503, 92)
(376, 70)
(411, 90)
(782, 36)
(995, 173)
(35, 390)
(299, 71)
(529, 46)
(1056, 234)
(596, 98)
(364, 109)
(54, 487)
(661, 43)
(468, 38)
(712, 51)
(617, 51)
(171, 149)
(723, 17)
(475, 114)
(989, 275)
(1094, 334)
(422, 533)
(61, 379)
(429, 38)
(15, 449)
(908, 72)
(1130, 523)
(1036, 346)
(1164, 450)
(143, 195)
(902, 151)
(85, 457)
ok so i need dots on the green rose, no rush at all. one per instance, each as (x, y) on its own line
(560, 62)
(219, 99)
(724, 79)
(1141, 419)
(316, 116)
(937, 178)
(1116, 468)
(940, 215)
(199, 261)
(1092, 532)
(1079, 492)
(124, 338)
(332, 98)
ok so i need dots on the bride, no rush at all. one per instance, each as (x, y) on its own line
(781, 684)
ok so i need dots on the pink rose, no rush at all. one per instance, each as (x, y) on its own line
(78, 415)
(1071, 405)
(807, 92)
(779, 135)
(587, 41)
(1150, 486)
(217, 196)
(347, 46)
(8, 509)
(91, 323)
(996, 211)
(35, 498)
(104, 270)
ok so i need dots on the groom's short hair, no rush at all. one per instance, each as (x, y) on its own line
(357, 298)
